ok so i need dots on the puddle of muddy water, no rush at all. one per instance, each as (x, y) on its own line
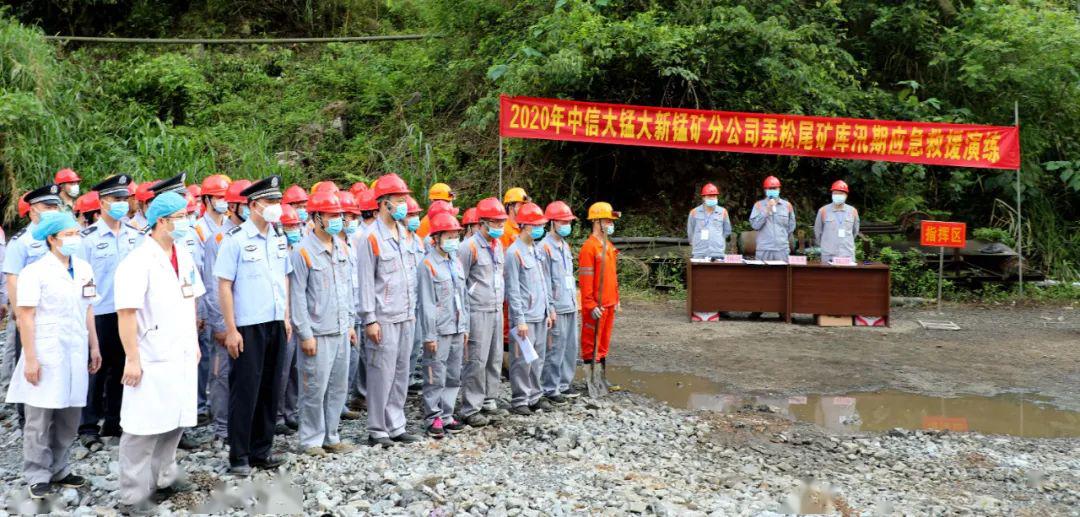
(1013, 414)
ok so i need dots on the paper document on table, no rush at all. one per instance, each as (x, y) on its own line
(775, 263)
(527, 350)
(700, 260)
(754, 262)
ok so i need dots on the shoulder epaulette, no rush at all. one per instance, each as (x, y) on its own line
(133, 227)
(307, 258)
(88, 230)
(472, 245)
(430, 266)
(199, 232)
(374, 241)
(233, 230)
(19, 233)
(145, 231)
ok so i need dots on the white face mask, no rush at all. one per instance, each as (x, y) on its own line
(73, 190)
(272, 213)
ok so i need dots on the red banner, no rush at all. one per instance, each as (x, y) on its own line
(957, 145)
(942, 234)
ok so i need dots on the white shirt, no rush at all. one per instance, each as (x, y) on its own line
(164, 303)
(61, 339)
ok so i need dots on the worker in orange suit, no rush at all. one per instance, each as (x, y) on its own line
(437, 192)
(598, 280)
(512, 200)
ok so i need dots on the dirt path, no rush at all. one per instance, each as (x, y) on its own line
(999, 349)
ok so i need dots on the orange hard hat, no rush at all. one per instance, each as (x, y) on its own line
(88, 202)
(710, 190)
(442, 207)
(470, 217)
(366, 201)
(294, 194)
(289, 216)
(491, 208)
(530, 213)
(839, 185)
(24, 207)
(348, 202)
(66, 176)
(411, 206)
(444, 222)
(143, 192)
(324, 186)
(772, 182)
(232, 194)
(390, 184)
(559, 211)
(357, 188)
(215, 185)
(324, 203)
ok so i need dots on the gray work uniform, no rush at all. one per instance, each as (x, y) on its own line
(527, 295)
(418, 251)
(834, 230)
(708, 231)
(387, 297)
(349, 241)
(218, 375)
(48, 436)
(321, 308)
(482, 261)
(773, 230)
(444, 319)
(204, 231)
(148, 462)
(357, 371)
(561, 360)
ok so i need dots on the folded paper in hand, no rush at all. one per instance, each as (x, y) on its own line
(526, 347)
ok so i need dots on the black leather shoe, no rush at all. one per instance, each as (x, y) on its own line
(404, 438)
(381, 441)
(71, 481)
(271, 462)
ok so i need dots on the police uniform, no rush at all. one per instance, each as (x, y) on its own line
(387, 297)
(835, 228)
(204, 232)
(104, 249)
(322, 308)
(527, 295)
(482, 260)
(773, 230)
(561, 361)
(257, 264)
(708, 231)
(444, 319)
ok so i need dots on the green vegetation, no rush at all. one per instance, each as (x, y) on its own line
(427, 109)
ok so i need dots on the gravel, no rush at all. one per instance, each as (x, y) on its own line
(623, 454)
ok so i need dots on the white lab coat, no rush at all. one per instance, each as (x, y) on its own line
(164, 303)
(61, 339)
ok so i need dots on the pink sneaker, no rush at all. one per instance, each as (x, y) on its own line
(435, 430)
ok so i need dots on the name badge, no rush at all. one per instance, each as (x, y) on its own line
(570, 282)
(704, 235)
(187, 290)
(843, 233)
(89, 290)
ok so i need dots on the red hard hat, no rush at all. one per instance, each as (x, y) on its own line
(232, 194)
(839, 185)
(710, 190)
(194, 190)
(289, 217)
(491, 208)
(559, 211)
(412, 207)
(143, 192)
(348, 202)
(88, 202)
(470, 217)
(294, 194)
(390, 184)
(66, 176)
(357, 188)
(442, 207)
(324, 203)
(24, 207)
(366, 201)
(444, 222)
(324, 186)
(215, 185)
(530, 213)
(192, 203)
(772, 182)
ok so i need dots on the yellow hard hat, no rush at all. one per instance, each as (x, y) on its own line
(602, 210)
(515, 195)
(440, 191)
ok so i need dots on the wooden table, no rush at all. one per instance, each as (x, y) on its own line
(810, 289)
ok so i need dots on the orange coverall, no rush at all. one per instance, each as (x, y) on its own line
(590, 259)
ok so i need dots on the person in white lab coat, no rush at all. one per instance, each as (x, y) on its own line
(59, 351)
(155, 302)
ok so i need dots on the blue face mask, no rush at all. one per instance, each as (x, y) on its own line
(293, 236)
(609, 229)
(563, 230)
(413, 223)
(400, 211)
(352, 227)
(839, 198)
(711, 202)
(69, 245)
(221, 206)
(495, 233)
(333, 226)
(536, 232)
(772, 193)
(301, 213)
(450, 246)
(245, 212)
(180, 229)
(118, 209)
